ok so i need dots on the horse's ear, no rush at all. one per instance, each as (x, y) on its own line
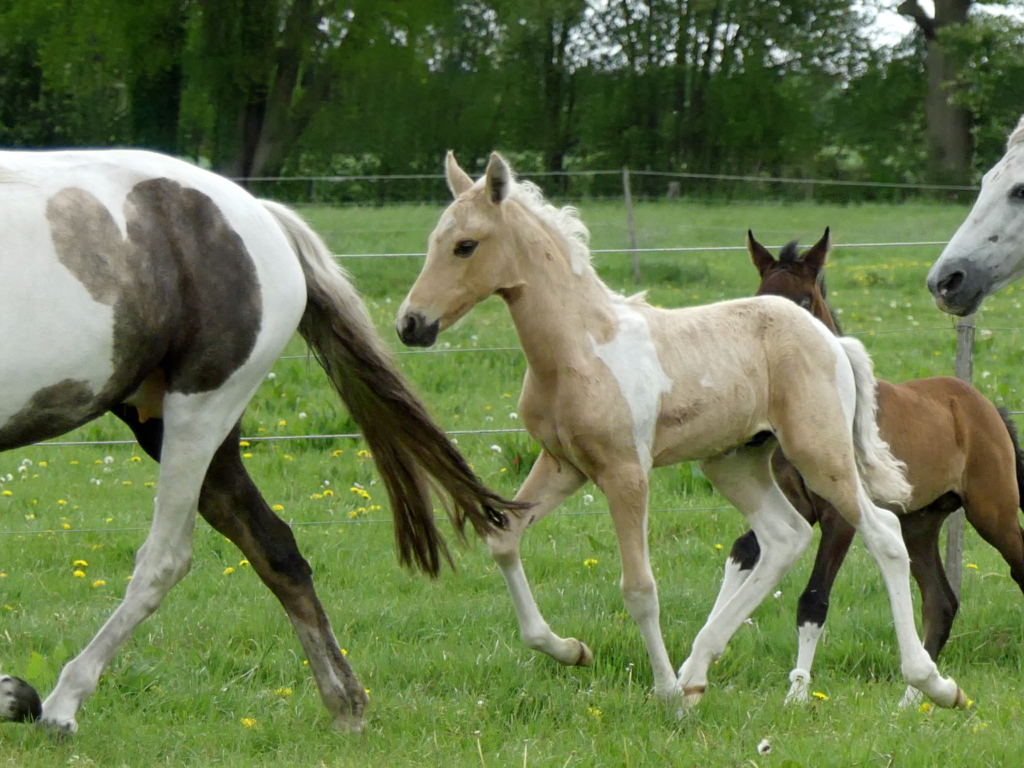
(498, 178)
(458, 179)
(814, 259)
(763, 260)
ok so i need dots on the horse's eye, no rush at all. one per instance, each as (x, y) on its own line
(1017, 192)
(464, 248)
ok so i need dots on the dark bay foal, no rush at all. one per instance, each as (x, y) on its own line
(960, 450)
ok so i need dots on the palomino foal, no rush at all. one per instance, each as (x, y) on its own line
(615, 387)
(960, 450)
(141, 285)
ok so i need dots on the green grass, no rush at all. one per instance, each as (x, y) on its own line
(450, 683)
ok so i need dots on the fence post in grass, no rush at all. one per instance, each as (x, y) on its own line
(629, 221)
(955, 524)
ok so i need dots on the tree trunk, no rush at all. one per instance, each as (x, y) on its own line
(949, 126)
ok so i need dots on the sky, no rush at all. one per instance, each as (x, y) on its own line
(890, 27)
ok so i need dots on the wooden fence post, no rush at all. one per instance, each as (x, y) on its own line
(629, 221)
(955, 523)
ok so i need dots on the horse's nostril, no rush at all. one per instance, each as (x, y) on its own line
(951, 282)
(409, 326)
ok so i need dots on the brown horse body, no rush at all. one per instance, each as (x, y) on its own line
(959, 450)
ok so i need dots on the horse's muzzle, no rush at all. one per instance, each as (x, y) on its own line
(958, 287)
(414, 330)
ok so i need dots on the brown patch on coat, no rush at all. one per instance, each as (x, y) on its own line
(183, 287)
(51, 411)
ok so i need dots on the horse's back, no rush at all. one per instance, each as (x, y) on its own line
(117, 263)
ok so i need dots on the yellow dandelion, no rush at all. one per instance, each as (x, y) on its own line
(79, 574)
(243, 563)
(344, 652)
(590, 562)
(328, 492)
(249, 722)
(353, 515)
(135, 459)
(228, 571)
(819, 695)
(149, 483)
(126, 482)
(506, 395)
(338, 452)
(718, 546)
(80, 564)
(6, 493)
(363, 454)
(30, 517)
(243, 444)
(110, 519)
(277, 508)
(289, 457)
(305, 663)
(42, 464)
(246, 455)
(925, 707)
(3, 575)
(316, 495)
(66, 526)
(282, 423)
(61, 502)
(74, 463)
(972, 566)
(99, 583)
(283, 691)
(594, 712)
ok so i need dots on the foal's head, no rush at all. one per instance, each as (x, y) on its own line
(797, 277)
(469, 254)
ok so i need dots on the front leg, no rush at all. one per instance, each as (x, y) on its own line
(625, 486)
(549, 483)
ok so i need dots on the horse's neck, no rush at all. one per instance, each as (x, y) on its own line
(556, 312)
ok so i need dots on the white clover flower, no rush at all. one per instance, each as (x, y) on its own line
(496, 448)
(588, 498)
(513, 415)
(271, 376)
(26, 462)
(108, 459)
(302, 415)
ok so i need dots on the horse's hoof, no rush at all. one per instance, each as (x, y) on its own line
(60, 730)
(796, 697)
(961, 699)
(19, 702)
(692, 695)
(586, 657)
(912, 697)
(349, 723)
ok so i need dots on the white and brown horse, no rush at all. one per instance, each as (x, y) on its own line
(615, 387)
(960, 450)
(141, 285)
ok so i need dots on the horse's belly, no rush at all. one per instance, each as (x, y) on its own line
(56, 350)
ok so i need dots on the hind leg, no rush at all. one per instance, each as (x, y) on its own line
(232, 504)
(812, 608)
(743, 477)
(938, 601)
(996, 522)
(549, 483)
(194, 427)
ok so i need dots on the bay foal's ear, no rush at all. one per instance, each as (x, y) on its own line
(814, 259)
(498, 178)
(458, 179)
(763, 260)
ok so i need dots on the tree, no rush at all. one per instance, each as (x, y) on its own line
(948, 122)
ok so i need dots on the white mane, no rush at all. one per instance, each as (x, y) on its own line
(1017, 137)
(565, 221)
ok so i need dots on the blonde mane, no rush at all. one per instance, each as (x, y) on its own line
(564, 221)
(1017, 137)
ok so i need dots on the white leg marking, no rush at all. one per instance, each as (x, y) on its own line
(735, 577)
(800, 677)
(880, 530)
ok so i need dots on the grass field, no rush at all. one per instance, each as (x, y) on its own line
(216, 676)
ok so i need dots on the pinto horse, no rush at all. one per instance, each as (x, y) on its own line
(960, 450)
(140, 285)
(615, 387)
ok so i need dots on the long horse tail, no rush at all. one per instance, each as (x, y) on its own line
(883, 474)
(411, 452)
(1018, 454)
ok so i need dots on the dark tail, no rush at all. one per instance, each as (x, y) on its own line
(1018, 455)
(410, 450)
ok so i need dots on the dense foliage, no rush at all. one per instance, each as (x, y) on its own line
(308, 87)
